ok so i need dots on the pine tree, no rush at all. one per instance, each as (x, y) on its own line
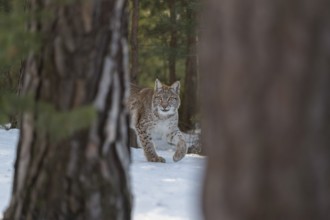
(76, 167)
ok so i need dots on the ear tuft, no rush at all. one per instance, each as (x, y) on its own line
(176, 87)
(158, 85)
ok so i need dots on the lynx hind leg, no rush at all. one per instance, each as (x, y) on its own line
(149, 148)
(177, 139)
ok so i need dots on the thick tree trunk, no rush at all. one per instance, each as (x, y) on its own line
(189, 102)
(82, 61)
(266, 109)
(173, 43)
(134, 42)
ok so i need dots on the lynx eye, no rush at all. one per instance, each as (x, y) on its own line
(173, 99)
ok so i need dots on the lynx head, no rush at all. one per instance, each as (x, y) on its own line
(166, 99)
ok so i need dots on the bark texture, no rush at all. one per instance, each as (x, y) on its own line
(266, 109)
(83, 60)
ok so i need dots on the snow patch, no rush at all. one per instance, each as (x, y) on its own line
(8, 142)
(168, 190)
(162, 191)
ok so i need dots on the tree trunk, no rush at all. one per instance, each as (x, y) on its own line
(134, 42)
(134, 59)
(83, 60)
(173, 43)
(5, 5)
(266, 109)
(14, 120)
(189, 102)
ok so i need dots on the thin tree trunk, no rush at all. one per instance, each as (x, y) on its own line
(83, 60)
(134, 59)
(173, 43)
(189, 102)
(15, 119)
(266, 109)
(134, 42)
(20, 78)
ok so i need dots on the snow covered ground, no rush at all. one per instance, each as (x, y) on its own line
(169, 191)
(8, 141)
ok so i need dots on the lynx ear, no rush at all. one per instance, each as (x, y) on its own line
(158, 85)
(176, 87)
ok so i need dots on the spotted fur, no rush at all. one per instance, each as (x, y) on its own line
(154, 112)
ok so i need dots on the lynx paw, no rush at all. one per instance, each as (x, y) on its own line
(157, 159)
(180, 152)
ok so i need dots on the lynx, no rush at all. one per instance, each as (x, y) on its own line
(154, 112)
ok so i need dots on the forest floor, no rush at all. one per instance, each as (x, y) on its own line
(161, 191)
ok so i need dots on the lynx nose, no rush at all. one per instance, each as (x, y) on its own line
(164, 106)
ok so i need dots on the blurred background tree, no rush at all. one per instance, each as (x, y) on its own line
(266, 109)
(15, 43)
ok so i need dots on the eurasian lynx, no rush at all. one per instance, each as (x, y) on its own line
(155, 112)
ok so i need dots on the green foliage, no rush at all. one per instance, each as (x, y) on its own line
(15, 42)
(9, 78)
(154, 37)
(60, 125)
(57, 125)
(4, 6)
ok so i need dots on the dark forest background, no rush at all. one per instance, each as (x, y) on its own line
(162, 39)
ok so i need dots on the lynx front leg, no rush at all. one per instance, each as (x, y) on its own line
(177, 139)
(148, 147)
